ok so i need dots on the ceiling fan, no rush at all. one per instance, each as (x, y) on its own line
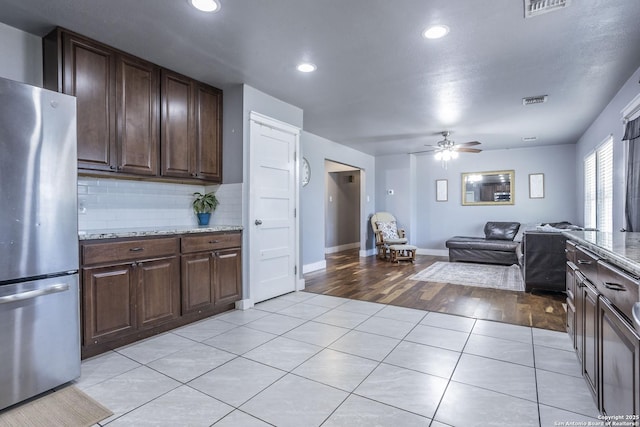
(447, 149)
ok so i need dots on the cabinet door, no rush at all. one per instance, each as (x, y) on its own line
(620, 373)
(89, 75)
(158, 291)
(197, 282)
(590, 337)
(178, 148)
(209, 133)
(228, 278)
(137, 93)
(108, 303)
(571, 301)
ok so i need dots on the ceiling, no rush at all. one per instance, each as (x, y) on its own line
(380, 87)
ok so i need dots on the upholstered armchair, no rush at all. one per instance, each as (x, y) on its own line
(386, 232)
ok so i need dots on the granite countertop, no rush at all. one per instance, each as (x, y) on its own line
(153, 231)
(620, 248)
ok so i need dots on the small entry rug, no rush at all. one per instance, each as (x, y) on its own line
(67, 407)
(479, 275)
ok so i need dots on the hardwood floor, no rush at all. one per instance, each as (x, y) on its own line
(371, 279)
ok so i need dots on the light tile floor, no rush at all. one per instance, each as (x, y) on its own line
(309, 360)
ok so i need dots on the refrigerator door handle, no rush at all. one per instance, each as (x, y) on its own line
(60, 287)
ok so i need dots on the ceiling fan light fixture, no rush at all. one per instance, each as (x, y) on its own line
(206, 5)
(435, 32)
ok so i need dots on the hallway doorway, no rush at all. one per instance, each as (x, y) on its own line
(342, 207)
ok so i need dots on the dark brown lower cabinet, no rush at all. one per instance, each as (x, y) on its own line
(620, 355)
(158, 284)
(122, 298)
(213, 277)
(135, 288)
(108, 303)
(590, 336)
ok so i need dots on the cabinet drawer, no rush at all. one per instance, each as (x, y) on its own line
(95, 253)
(619, 287)
(208, 242)
(587, 263)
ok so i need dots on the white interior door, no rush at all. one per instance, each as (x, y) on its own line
(272, 207)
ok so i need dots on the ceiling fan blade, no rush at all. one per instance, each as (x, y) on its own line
(467, 150)
(468, 144)
(423, 151)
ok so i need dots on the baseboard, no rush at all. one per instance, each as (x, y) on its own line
(433, 252)
(308, 268)
(300, 285)
(244, 304)
(341, 248)
(367, 252)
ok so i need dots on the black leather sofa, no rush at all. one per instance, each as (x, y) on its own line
(496, 247)
(540, 254)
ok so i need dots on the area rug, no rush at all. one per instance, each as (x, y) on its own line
(67, 407)
(479, 275)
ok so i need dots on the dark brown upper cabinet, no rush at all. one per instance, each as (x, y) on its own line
(134, 118)
(191, 128)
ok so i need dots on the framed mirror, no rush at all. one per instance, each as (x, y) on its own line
(488, 188)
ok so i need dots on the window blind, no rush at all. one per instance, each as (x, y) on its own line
(590, 191)
(604, 179)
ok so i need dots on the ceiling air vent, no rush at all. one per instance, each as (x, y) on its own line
(529, 138)
(534, 100)
(538, 7)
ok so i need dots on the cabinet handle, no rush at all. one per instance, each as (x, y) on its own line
(112, 167)
(214, 241)
(193, 174)
(119, 168)
(615, 286)
(136, 249)
(584, 261)
(134, 265)
(225, 256)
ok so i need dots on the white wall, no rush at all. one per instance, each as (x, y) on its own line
(312, 214)
(21, 55)
(435, 221)
(609, 122)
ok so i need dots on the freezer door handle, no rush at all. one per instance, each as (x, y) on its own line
(59, 287)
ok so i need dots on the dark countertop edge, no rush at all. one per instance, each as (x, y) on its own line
(623, 262)
(115, 234)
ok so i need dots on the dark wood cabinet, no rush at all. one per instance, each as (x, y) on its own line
(197, 282)
(572, 298)
(191, 129)
(227, 279)
(211, 271)
(108, 303)
(620, 355)
(158, 284)
(590, 357)
(137, 96)
(606, 341)
(134, 118)
(133, 288)
(86, 70)
(127, 287)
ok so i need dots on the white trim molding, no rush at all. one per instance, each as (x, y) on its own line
(433, 252)
(632, 110)
(367, 252)
(308, 268)
(341, 248)
(244, 304)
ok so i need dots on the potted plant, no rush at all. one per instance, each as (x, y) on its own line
(203, 205)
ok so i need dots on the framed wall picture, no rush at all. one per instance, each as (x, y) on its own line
(442, 190)
(536, 185)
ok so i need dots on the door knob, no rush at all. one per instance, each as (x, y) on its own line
(258, 222)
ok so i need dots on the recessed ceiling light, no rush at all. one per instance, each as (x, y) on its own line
(206, 5)
(306, 67)
(435, 32)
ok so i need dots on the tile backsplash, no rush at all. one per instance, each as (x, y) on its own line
(106, 204)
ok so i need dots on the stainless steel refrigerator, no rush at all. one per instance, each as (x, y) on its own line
(39, 304)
